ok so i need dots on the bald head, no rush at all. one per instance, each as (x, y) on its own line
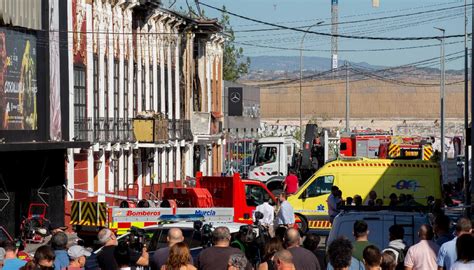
(175, 235)
(283, 256)
(426, 232)
(292, 237)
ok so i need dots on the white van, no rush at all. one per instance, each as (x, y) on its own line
(379, 222)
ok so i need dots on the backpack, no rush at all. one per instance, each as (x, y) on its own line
(401, 257)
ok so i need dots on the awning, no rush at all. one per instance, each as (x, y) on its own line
(36, 146)
(22, 13)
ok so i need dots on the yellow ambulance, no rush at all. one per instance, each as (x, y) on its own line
(358, 176)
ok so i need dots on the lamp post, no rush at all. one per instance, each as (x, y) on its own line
(301, 79)
(442, 94)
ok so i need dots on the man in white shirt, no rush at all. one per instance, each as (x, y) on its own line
(332, 204)
(286, 214)
(268, 216)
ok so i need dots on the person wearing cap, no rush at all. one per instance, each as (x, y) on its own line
(11, 261)
(77, 257)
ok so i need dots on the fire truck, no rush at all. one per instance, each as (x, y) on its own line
(212, 199)
(383, 145)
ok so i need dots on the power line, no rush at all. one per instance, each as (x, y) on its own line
(331, 35)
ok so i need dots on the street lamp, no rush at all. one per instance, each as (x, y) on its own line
(301, 78)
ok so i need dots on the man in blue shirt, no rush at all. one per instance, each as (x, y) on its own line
(11, 261)
(59, 245)
(447, 254)
(286, 214)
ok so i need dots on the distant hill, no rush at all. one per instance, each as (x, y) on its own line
(292, 63)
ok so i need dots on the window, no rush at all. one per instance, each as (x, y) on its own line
(143, 89)
(135, 89)
(265, 154)
(322, 185)
(116, 89)
(106, 90)
(256, 195)
(152, 93)
(96, 88)
(125, 91)
(343, 146)
(80, 101)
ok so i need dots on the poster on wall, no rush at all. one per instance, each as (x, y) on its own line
(18, 85)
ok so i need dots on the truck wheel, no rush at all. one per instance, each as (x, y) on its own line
(302, 224)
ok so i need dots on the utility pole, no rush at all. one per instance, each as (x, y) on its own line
(467, 192)
(334, 32)
(442, 95)
(346, 65)
(467, 161)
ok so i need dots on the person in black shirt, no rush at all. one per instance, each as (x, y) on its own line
(106, 257)
(302, 258)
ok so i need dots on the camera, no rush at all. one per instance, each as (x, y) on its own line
(136, 238)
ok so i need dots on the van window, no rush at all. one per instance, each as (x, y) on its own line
(343, 146)
(322, 185)
(265, 154)
(255, 195)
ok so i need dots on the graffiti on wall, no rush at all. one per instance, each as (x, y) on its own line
(18, 85)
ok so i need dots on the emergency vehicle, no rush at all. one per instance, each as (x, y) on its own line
(214, 199)
(359, 176)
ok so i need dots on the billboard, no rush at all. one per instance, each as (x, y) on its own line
(18, 84)
(235, 101)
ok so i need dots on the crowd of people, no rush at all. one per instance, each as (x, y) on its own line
(287, 249)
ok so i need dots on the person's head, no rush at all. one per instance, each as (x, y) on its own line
(393, 197)
(357, 200)
(388, 260)
(237, 262)
(379, 202)
(334, 189)
(426, 232)
(360, 230)
(77, 255)
(122, 254)
(402, 198)
(292, 237)
(107, 237)
(282, 258)
(349, 201)
(463, 226)
(11, 250)
(311, 242)
(338, 193)
(273, 246)
(373, 195)
(44, 257)
(396, 232)
(221, 236)
(372, 257)
(175, 235)
(59, 241)
(282, 197)
(441, 224)
(340, 253)
(179, 256)
(464, 248)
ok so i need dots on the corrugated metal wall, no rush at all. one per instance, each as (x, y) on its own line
(23, 13)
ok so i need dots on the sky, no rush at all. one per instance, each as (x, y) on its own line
(296, 13)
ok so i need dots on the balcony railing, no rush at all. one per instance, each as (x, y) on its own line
(83, 130)
(172, 129)
(112, 131)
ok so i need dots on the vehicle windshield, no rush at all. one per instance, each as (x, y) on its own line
(264, 154)
(256, 195)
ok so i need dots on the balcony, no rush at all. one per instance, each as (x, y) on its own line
(125, 133)
(153, 129)
(187, 133)
(172, 134)
(83, 130)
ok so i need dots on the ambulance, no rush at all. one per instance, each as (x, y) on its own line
(358, 176)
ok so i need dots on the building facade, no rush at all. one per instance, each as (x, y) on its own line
(127, 58)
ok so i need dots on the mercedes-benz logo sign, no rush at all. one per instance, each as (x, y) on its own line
(235, 97)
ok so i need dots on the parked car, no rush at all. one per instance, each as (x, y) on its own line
(379, 222)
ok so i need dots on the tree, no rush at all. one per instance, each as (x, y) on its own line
(235, 65)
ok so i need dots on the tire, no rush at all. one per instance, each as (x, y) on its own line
(303, 225)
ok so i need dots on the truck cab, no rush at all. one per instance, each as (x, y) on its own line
(272, 158)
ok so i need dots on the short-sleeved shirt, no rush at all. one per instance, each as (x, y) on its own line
(268, 213)
(332, 205)
(358, 249)
(62, 259)
(214, 258)
(13, 264)
(286, 215)
(355, 265)
(291, 182)
(447, 254)
(304, 259)
(444, 238)
(422, 255)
